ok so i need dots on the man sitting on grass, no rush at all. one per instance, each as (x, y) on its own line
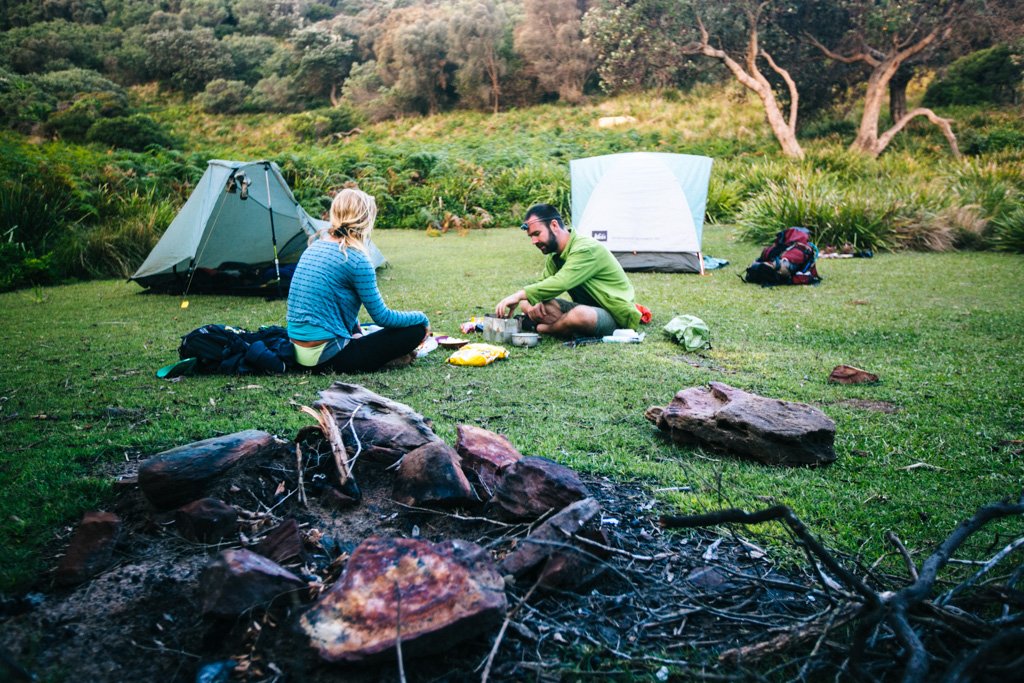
(602, 295)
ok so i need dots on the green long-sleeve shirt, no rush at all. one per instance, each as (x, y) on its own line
(591, 275)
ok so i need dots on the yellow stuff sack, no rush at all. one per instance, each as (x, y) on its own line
(477, 354)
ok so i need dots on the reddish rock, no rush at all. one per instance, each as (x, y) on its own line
(239, 580)
(91, 549)
(565, 562)
(282, 543)
(431, 474)
(386, 429)
(731, 420)
(484, 453)
(847, 374)
(532, 486)
(183, 474)
(445, 593)
(571, 569)
(206, 520)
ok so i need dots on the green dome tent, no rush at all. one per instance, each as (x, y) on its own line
(226, 236)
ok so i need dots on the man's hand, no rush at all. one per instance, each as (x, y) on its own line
(507, 305)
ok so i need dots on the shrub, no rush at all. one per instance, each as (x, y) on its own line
(22, 104)
(135, 132)
(986, 76)
(274, 93)
(724, 200)
(322, 123)
(815, 201)
(1008, 230)
(117, 247)
(22, 269)
(34, 208)
(73, 123)
(65, 85)
(975, 142)
(223, 97)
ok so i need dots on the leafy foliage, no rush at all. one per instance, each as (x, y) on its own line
(992, 76)
(135, 132)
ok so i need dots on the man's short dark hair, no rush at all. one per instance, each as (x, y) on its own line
(546, 213)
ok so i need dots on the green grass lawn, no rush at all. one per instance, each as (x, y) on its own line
(944, 332)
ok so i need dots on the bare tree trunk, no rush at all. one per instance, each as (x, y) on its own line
(884, 68)
(752, 78)
(898, 93)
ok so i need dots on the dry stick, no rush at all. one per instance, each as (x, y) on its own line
(777, 512)
(359, 444)
(981, 572)
(792, 637)
(501, 632)
(298, 469)
(895, 540)
(462, 518)
(398, 632)
(624, 553)
(329, 427)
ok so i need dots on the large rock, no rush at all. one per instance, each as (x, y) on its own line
(532, 486)
(436, 595)
(239, 580)
(386, 429)
(552, 547)
(768, 430)
(431, 474)
(91, 549)
(484, 453)
(183, 474)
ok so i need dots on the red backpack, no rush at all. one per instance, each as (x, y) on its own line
(789, 260)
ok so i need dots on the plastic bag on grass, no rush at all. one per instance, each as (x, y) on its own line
(477, 354)
(689, 331)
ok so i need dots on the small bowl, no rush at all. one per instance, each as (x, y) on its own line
(526, 339)
(451, 342)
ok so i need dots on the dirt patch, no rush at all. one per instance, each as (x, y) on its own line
(661, 600)
(863, 404)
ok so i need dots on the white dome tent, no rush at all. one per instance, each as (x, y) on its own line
(646, 207)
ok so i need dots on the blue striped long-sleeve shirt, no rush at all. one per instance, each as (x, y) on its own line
(327, 290)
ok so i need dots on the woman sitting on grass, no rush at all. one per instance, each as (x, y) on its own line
(333, 278)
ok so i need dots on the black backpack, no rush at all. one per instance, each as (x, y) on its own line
(226, 350)
(789, 260)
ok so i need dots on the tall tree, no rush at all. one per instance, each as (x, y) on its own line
(744, 65)
(475, 35)
(885, 35)
(636, 43)
(412, 58)
(550, 40)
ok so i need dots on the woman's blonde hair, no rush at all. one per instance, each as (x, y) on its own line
(353, 213)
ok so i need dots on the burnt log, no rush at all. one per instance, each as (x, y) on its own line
(91, 549)
(379, 429)
(432, 474)
(733, 421)
(428, 597)
(184, 474)
(484, 453)
(533, 486)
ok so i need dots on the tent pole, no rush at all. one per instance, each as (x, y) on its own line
(273, 234)
(700, 260)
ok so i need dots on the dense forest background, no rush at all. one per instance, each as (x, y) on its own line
(135, 77)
